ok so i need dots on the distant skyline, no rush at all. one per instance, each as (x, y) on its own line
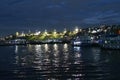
(46, 14)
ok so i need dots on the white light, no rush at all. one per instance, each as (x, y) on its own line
(37, 33)
(65, 47)
(55, 47)
(16, 49)
(65, 31)
(46, 47)
(98, 30)
(38, 48)
(76, 30)
(77, 43)
(105, 42)
(94, 31)
(92, 38)
(77, 48)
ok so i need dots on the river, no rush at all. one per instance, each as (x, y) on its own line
(58, 62)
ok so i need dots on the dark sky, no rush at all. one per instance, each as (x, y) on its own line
(50, 14)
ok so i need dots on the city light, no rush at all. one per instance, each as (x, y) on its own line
(17, 33)
(45, 32)
(55, 31)
(37, 33)
(76, 30)
(64, 31)
(22, 34)
(95, 33)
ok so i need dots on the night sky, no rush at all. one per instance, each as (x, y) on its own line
(18, 15)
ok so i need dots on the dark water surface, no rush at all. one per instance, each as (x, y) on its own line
(58, 62)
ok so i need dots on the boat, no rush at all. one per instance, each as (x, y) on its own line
(110, 42)
(13, 42)
(81, 41)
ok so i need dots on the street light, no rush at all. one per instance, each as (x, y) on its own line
(17, 33)
(76, 30)
(64, 31)
(55, 31)
(45, 32)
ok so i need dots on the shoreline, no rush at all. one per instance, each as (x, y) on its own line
(33, 43)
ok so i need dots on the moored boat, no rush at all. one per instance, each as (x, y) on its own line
(110, 42)
(82, 41)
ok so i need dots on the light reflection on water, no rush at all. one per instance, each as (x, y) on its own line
(59, 62)
(16, 49)
(46, 47)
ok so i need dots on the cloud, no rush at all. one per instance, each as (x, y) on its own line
(13, 2)
(19, 12)
(101, 17)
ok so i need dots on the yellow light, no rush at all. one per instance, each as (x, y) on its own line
(17, 33)
(46, 32)
(55, 31)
